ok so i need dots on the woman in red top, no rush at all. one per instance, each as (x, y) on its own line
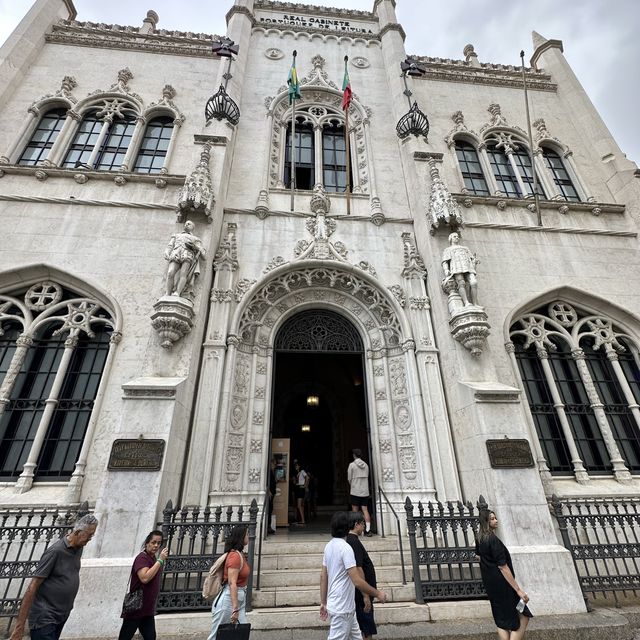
(145, 574)
(229, 605)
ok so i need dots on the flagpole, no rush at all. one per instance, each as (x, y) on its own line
(293, 139)
(536, 199)
(347, 145)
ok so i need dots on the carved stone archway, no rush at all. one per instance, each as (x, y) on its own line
(397, 419)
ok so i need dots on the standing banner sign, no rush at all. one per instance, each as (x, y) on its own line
(280, 452)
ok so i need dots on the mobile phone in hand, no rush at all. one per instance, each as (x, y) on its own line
(520, 606)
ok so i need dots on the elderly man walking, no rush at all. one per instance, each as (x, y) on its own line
(52, 591)
(339, 580)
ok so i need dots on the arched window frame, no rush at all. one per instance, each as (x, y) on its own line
(562, 321)
(38, 304)
(318, 116)
(140, 134)
(485, 168)
(566, 157)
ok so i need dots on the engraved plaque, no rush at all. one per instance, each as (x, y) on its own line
(136, 455)
(509, 453)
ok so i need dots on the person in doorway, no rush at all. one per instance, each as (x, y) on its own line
(52, 591)
(358, 476)
(499, 581)
(301, 479)
(272, 493)
(146, 573)
(339, 580)
(366, 570)
(229, 604)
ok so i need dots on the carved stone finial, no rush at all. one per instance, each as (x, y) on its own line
(150, 22)
(196, 195)
(318, 62)
(124, 76)
(320, 202)
(168, 92)
(68, 84)
(497, 119)
(443, 209)
(458, 118)
(226, 258)
(470, 55)
(541, 129)
(413, 262)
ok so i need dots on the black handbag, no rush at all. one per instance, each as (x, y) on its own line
(132, 601)
(234, 631)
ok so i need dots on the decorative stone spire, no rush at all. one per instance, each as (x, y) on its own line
(320, 202)
(537, 39)
(226, 258)
(149, 23)
(443, 209)
(471, 56)
(197, 193)
(413, 262)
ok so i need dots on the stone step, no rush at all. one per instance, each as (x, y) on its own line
(314, 560)
(302, 545)
(311, 577)
(305, 596)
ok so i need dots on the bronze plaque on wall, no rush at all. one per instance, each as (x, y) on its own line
(136, 455)
(509, 454)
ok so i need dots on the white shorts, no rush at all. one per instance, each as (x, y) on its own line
(344, 626)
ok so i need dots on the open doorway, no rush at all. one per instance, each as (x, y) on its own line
(319, 403)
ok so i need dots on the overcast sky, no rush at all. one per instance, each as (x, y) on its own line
(601, 37)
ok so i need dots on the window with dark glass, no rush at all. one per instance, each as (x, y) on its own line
(113, 148)
(577, 407)
(42, 139)
(523, 163)
(334, 159)
(560, 175)
(503, 172)
(615, 404)
(304, 157)
(474, 180)
(154, 145)
(20, 420)
(543, 411)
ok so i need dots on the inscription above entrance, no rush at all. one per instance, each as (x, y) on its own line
(136, 455)
(509, 454)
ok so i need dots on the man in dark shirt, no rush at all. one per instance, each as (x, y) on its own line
(272, 492)
(52, 591)
(364, 606)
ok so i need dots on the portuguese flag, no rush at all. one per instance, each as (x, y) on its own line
(292, 81)
(346, 87)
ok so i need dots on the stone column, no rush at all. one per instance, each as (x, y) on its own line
(60, 146)
(25, 481)
(100, 141)
(487, 169)
(23, 344)
(624, 384)
(28, 125)
(177, 123)
(620, 471)
(516, 172)
(134, 144)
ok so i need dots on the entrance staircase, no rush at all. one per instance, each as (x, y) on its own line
(289, 594)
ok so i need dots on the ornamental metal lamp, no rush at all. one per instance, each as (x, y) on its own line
(220, 105)
(414, 122)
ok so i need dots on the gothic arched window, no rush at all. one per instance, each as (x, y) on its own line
(522, 161)
(503, 172)
(304, 150)
(581, 376)
(52, 356)
(155, 143)
(471, 169)
(43, 137)
(100, 143)
(560, 175)
(334, 158)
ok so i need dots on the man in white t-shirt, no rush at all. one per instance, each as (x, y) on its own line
(339, 580)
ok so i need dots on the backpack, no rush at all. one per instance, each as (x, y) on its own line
(214, 581)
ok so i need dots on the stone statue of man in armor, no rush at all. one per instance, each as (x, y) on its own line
(460, 264)
(183, 253)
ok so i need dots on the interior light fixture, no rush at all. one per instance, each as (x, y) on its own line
(313, 400)
(305, 428)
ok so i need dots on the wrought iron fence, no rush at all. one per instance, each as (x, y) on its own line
(24, 536)
(195, 538)
(442, 541)
(603, 536)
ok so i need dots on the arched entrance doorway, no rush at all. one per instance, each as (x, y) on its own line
(319, 400)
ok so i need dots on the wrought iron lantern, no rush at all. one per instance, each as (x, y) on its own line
(220, 106)
(413, 122)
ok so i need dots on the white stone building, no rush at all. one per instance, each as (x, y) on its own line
(105, 153)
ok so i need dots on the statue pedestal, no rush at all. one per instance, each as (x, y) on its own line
(172, 318)
(470, 327)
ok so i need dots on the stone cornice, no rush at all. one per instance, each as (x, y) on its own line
(294, 7)
(489, 74)
(89, 203)
(393, 26)
(42, 173)
(105, 36)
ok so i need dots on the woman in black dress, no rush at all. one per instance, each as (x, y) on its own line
(499, 581)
